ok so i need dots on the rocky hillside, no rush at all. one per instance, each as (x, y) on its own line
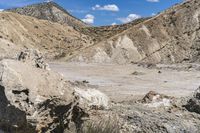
(50, 11)
(105, 32)
(44, 101)
(19, 32)
(55, 13)
(170, 37)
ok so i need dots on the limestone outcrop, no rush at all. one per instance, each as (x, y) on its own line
(36, 100)
(33, 57)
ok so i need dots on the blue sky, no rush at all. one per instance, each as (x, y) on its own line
(103, 12)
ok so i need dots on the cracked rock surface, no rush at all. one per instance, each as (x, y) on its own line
(35, 100)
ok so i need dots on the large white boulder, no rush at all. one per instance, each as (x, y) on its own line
(92, 98)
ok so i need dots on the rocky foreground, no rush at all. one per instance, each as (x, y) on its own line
(35, 99)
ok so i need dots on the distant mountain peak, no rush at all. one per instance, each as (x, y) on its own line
(50, 11)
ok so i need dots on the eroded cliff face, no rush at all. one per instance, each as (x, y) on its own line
(170, 37)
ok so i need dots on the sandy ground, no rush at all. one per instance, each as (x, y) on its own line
(118, 82)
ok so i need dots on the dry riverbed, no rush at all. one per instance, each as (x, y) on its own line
(127, 82)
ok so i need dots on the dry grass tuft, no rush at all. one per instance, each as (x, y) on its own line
(104, 126)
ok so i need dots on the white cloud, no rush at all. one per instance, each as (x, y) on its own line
(89, 19)
(153, 0)
(1, 10)
(129, 18)
(114, 23)
(48, 0)
(111, 7)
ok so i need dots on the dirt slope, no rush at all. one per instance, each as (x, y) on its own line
(53, 39)
(105, 32)
(170, 37)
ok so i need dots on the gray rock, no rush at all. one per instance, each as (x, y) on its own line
(138, 118)
(36, 100)
(193, 104)
(33, 57)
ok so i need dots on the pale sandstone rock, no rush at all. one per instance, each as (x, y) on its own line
(33, 57)
(154, 99)
(92, 98)
(35, 100)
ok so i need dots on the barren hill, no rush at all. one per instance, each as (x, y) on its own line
(170, 37)
(52, 12)
(105, 32)
(55, 13)
(19, 31)
(56, 17)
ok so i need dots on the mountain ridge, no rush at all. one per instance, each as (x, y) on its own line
(98, 33)
(161, 39)
(50, 11)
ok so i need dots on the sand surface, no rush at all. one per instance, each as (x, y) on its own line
(119, 82)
